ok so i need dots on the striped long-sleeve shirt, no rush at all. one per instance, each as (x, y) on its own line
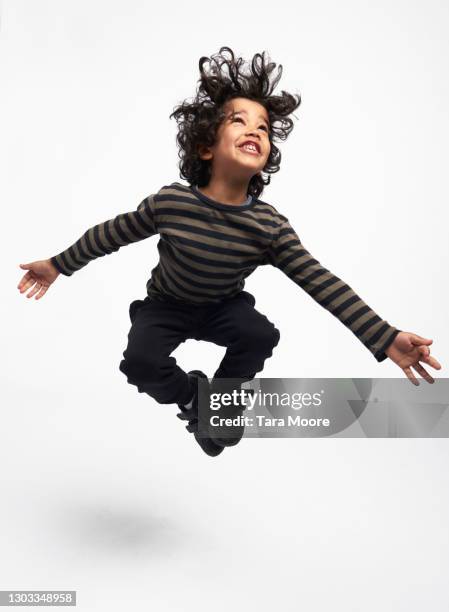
(207, 249)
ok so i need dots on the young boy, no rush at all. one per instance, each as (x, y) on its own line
(213, 234)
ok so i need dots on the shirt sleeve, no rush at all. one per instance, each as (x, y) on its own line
(289, 255)
(107, 237)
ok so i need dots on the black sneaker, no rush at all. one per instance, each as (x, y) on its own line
(232, 433)
(191, 415)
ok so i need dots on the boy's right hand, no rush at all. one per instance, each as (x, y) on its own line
(41, 274)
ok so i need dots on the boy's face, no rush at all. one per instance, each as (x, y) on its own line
(245, 121)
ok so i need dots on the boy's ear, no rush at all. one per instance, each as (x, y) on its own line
(204, 152)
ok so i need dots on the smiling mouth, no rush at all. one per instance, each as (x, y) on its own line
(249, 151)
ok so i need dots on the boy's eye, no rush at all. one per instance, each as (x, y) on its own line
(240, 119)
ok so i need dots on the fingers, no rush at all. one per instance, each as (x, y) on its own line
(432, 362)
(41, 292)
(415, 339)
(29, 283)
(24, 279)
(35, 289)
(426, 357)
(418, 367)
(411, 376)
(424, 351)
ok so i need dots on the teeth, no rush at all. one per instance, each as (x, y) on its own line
(250, 148)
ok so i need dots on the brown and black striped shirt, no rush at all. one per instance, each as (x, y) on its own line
(207, 249)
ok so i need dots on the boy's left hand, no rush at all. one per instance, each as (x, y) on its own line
(408, 350)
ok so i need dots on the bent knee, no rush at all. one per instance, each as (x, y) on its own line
(266, 336)
(270, 338)
(136, 363)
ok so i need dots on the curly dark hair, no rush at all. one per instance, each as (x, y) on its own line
(199, 120)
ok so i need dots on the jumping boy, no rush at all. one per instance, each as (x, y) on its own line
(213, 234)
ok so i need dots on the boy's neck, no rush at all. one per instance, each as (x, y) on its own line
(225, 193)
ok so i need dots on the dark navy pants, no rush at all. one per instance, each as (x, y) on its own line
(159, 327)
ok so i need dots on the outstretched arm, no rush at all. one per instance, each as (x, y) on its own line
(107, 237)
(405, 349)
(289, 255)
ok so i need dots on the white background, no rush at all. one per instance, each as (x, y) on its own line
(103, 490)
